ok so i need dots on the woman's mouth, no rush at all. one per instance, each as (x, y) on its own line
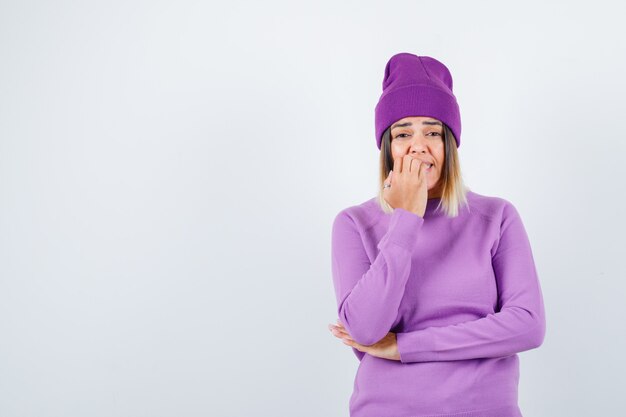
(429, 165)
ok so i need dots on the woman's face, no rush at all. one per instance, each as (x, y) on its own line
(422, 138)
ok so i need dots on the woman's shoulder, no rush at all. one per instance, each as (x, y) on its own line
(363, 214)
(490, 206)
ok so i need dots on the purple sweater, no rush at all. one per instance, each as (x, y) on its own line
(462, 294)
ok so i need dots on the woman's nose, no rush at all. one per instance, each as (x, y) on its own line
(418, 144)
(417, 147)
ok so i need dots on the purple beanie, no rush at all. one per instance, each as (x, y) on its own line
(416, 86)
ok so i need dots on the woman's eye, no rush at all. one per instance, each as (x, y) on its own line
(403, 135)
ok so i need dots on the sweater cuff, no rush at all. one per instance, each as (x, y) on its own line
(403, 229)
(416, 346)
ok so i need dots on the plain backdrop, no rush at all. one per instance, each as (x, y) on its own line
(169, 173)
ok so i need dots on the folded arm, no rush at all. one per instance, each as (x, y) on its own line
(519, 325)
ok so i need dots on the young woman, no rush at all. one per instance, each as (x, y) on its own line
(436, 285)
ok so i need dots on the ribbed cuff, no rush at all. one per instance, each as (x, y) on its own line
(404, 227)
(415, 346)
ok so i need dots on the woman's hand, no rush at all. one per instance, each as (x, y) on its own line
(386, 348)
(409, 185)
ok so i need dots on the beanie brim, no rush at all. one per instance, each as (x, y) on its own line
(417, 100)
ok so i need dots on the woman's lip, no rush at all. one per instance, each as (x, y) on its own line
(426, 162)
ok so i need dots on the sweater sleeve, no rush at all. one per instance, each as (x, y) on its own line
(519, 325)
(369, 293)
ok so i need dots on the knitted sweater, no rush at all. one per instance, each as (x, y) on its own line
(462, 295)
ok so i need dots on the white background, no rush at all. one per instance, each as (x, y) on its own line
(169, 172)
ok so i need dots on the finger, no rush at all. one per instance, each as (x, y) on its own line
(422, 170)
(350, 342)
(341, 332)
(406, 163)
(342, 335)
(337, 326)
(355, 345)
(338, 335)
(416, 164)
(338, 331)
(342, 327)
(397, 164)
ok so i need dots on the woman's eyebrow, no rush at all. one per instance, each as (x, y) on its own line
(425, 122)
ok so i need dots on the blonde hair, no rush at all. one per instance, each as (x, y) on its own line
(454, 191)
